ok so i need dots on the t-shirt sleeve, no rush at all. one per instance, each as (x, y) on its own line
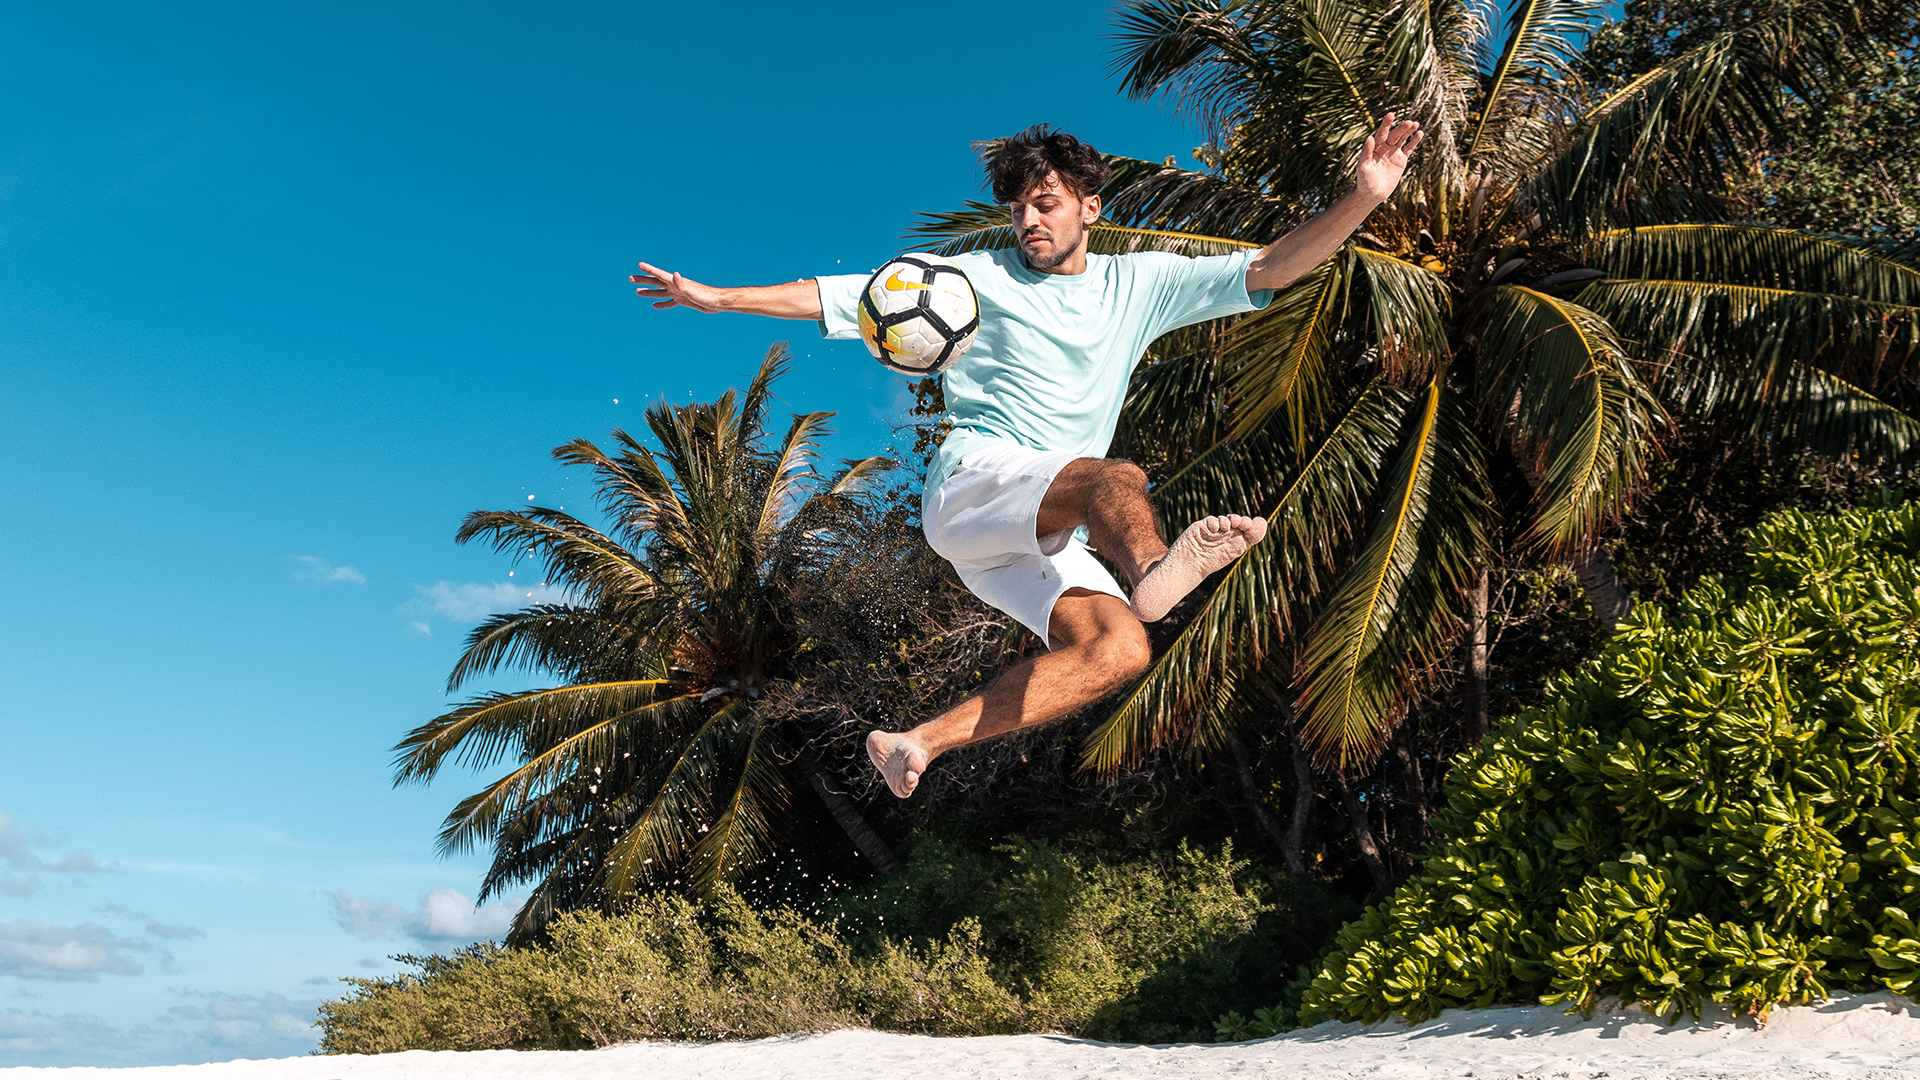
(1193, 290)
(840, 305)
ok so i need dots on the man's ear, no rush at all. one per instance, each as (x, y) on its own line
(1090, 209)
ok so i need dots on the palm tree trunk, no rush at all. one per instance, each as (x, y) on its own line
(1478, 648)
(1294, 849)
(851, 821)
(1416, 784)
(1293, 843)
(1609, 596)
(1363, 835)
(1255, 799)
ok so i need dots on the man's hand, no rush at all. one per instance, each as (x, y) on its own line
(675, 290)
(1384, 159)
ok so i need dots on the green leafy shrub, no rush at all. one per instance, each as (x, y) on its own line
(482, 998)
(1724, 806)
(1027, 936)
(1141, 946)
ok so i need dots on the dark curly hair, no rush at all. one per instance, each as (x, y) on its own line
(1027, 158)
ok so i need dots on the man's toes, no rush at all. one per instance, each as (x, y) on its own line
(909, 777)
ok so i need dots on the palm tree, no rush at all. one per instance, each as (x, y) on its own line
(1494, 355)
(653, 761)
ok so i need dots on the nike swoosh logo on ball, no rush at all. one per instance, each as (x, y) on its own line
(894, 284)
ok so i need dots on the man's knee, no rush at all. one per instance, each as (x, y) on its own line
(1123, 475)
(1122, 652)
(1104, 631)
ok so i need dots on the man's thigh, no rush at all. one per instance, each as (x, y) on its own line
(1029, 587)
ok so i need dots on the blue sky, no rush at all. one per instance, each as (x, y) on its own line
(285, 291)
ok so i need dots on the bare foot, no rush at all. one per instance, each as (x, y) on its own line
(899, 759)
(1206, 546)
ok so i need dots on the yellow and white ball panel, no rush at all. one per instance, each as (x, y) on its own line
(918, 314)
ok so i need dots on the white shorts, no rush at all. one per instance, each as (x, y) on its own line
(982, 520)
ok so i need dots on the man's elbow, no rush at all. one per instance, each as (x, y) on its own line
(1260, 278)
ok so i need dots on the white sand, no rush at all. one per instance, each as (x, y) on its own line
(1871, 1036)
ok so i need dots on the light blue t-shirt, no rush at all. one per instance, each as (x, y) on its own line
(1050, 366)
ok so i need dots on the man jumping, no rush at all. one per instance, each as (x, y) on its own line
(1034, 406)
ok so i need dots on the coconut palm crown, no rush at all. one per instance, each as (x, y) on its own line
(652, 762)
(1495, 354)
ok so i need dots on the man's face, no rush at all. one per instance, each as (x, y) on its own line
(1051, 222)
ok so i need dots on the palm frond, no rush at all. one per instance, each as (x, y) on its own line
(791, 469)
(753, 407)
(665, 831)
(1661, 143)
(1270, 590)
(1541, 47)
(1762, 256)
(858, 476)
(1426, 51)
(1554, 376)
(1335, 75)
(479, 732)
(1176, 402)
(563, 638)
(568, 759)
(1824, 414)
(1153, 195)
(1390, 616)
(1283, 354)
(575, 554)
(1408, 309)
(1210, 58)
(981, 226)
(1699, 334)
(742, 832)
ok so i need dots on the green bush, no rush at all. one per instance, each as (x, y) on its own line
(1724, 806)
(1025, 937)
(1105, 943)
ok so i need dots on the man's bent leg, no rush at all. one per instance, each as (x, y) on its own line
(1110, 499)
(1098, 645)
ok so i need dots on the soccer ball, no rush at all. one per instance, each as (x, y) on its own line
(919, 314)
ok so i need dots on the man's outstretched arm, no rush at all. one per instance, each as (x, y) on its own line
(1382, 163)
(793, 300)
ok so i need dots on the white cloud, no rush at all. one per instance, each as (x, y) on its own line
(154, 927)
(39, 1038)
(445, 918)
(421, 628)
(17, 843)
(367, 918)
(470, 601)
(83, 953)
(14, 840)
(18, 886)
(314, 568)
(76, 862)
(449, 916)
(214, 1027)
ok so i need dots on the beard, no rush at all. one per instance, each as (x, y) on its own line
(1063, 249)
